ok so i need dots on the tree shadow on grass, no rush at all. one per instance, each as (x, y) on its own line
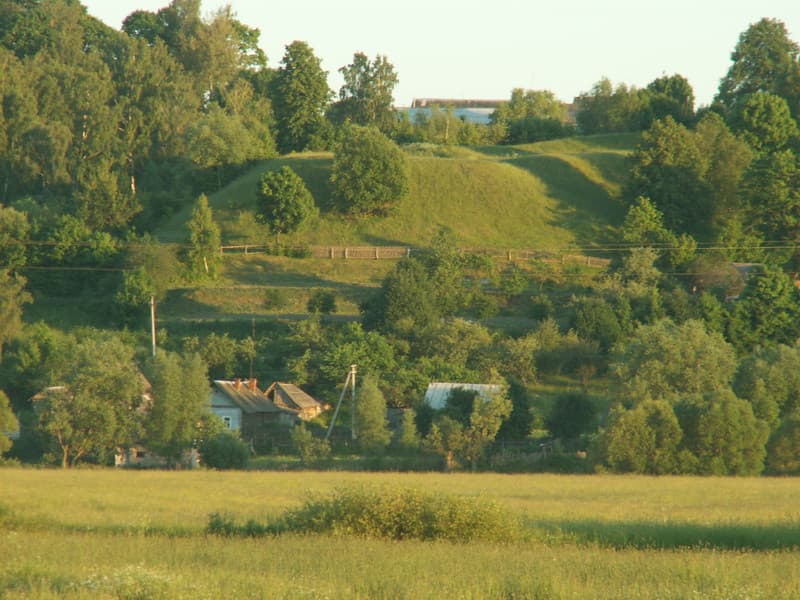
(585, 207)
(649, 535)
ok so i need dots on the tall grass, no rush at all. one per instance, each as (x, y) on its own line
(99, 533)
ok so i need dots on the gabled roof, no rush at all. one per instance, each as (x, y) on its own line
(246, 395)
(437, 393)
(291, 397)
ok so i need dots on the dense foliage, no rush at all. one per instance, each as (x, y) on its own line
(675, 358)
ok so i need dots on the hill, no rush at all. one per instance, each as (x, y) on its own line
(551, 195)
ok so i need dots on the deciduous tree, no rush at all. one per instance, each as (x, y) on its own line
(12, 297)
(202, 255)
(284, 202)
(179, 390)
(366, 96)
(300, 96)
(765, 60)
(371, 426)
(665, 361)
(93, 404)
(369, 174)
(8, 424)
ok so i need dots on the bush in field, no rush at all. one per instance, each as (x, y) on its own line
(225, 451)
(388, 514)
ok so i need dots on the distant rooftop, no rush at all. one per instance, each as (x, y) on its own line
(456, 103)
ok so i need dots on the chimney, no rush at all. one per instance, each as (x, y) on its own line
(237, 384)
(252, 384)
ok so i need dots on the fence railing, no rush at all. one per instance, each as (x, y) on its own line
(398, 252)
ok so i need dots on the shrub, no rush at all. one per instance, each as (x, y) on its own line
(388, 514)
(308, 447)
(225, 451)
(322, 301)
(275, 298)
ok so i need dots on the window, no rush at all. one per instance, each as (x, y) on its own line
(228, 423)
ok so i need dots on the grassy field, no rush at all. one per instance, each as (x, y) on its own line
(142, 535)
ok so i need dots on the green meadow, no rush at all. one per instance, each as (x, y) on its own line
(142, 534)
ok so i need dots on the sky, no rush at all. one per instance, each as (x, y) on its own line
(472, 49)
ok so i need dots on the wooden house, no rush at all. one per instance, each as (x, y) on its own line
(290, 397)
(247, 409)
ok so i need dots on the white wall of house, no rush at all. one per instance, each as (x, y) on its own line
(232, 417)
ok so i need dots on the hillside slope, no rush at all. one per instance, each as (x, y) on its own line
(547, 195)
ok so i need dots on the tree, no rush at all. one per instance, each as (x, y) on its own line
(572, 415)
(723, 434)
(669, 95)
(771, 193)
(461, 432)
(12, 297)
(530, 116)
(94, 401)
(770, 380)
(371, 427)
(300, 96)
(595, 319)
(765, 122)
(606, 109)
(369, 172)
(308, 447)
(408, 438)
(783, 450)
(644, 226)
(179, 390)
(366, 96)
(764, 60)
(406, 301)
(202, 255)
(14, 232)
(728, 159)
(284, 201)
(669, 169)
(222, 141)
(8, 424)
(644, 439)
(322, 302)
(768, 310)
(665, 361)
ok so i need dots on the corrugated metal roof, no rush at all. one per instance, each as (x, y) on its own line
(246, 396)
(292, 397)
(437, 393)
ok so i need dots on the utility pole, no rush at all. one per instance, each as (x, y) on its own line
(350, 380)
(153, 322)
(353, 413)
(253, 355)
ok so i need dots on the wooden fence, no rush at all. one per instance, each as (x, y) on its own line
(398, 252)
